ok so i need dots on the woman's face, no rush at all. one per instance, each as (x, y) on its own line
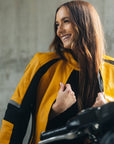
(65, 28)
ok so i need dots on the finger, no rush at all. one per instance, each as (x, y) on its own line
(68, 88)
(102, 93)
(73, 93)
(100, 96)
(73, 96)
(95, 104)
(61, 86)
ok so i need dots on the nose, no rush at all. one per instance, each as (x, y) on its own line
(60, 29)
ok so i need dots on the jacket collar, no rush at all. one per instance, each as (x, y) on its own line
(71, 60)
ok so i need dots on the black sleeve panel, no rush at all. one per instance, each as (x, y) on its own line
(20, 118)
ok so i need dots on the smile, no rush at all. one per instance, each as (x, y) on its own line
(65, 37)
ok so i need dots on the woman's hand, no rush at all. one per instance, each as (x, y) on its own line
(100, 100)
(64, 100)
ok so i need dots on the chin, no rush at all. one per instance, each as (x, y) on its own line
(67, 46)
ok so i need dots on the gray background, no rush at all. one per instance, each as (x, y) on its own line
(26, 27)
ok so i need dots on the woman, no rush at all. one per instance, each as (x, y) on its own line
(78, 29)
(59, 84)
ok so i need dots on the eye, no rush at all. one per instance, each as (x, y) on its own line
(66, 21)
(56, 25)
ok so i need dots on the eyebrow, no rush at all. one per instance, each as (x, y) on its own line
(63, 19)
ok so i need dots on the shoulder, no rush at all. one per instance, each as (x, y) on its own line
(42, 58)
(107, 64)
(108, 59)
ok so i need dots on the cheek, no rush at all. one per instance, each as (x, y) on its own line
(69, 27)
(75, 34)
(71, 30)
(57, 33)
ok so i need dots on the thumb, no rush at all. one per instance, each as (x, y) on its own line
(61, 86)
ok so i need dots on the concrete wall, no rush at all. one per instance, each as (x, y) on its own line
(26, 27)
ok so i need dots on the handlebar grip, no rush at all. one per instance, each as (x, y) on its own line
(55, 132)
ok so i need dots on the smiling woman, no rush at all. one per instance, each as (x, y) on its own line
(78, 30)
(59, 84)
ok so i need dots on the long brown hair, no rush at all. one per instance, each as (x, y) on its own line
(88, 49)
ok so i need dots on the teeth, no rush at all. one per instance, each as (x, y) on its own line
(65, 37)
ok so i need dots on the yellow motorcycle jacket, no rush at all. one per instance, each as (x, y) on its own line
(37, 90)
